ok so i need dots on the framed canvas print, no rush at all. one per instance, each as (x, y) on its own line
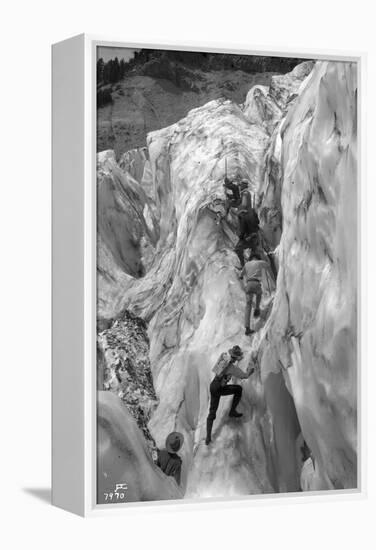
(206, 274)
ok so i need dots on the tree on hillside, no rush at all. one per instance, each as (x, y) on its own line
(100, 69)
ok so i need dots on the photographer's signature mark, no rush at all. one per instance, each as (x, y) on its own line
(117, 494)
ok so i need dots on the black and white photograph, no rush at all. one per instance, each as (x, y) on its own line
(227, 275)
(188, 263)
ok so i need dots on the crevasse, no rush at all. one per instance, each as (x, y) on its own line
(296, 143)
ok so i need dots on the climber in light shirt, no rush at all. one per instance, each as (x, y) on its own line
(251, 275)
(232, 193)
(308, 469)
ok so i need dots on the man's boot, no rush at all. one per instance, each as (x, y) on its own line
(209, 426)
(235, 402)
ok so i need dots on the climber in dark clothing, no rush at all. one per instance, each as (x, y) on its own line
(232, 193)
(248, 227)
(224, 369)
(168, 461)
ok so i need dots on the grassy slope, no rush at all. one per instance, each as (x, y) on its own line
(142, 104)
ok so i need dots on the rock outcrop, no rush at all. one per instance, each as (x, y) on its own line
(125, 366)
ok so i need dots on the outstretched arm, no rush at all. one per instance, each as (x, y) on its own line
(237, 372)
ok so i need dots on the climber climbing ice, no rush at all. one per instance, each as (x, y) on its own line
(251, 237)
(168, 460)
(308, 468)
(251, 275)
(248, 227)
(224, 369)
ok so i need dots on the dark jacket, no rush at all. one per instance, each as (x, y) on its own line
(170, 464)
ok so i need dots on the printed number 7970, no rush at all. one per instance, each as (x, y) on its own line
(114, 496)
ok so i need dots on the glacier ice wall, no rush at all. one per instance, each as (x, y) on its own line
(123, 456)
(311, 333)
(295, 142)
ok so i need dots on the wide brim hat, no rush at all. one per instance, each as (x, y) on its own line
(174, 442)
(236, 352)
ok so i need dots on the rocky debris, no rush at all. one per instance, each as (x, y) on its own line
(124, 349)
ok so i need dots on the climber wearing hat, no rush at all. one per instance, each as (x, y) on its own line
(168, 461)
(232, 193)
(224, 369)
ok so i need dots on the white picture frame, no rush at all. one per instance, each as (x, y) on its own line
(74, 276)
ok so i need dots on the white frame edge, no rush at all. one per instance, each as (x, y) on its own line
(74, 185)
(68, 337)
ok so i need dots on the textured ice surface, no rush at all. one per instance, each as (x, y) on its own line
(127, 229)
(312, 328)
(301, 164)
